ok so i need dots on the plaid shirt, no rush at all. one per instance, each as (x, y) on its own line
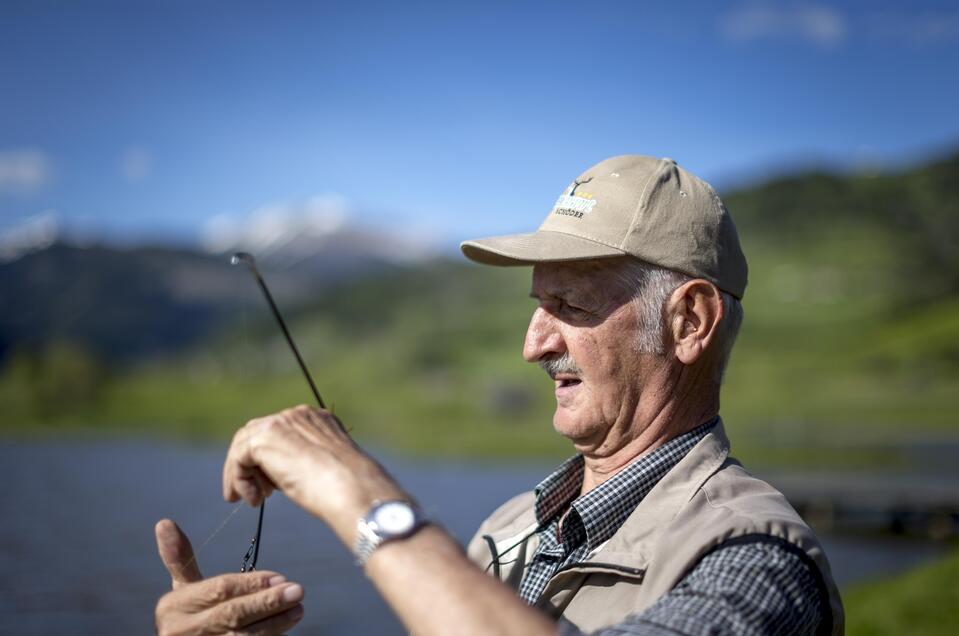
(743, 588)
(597, 515)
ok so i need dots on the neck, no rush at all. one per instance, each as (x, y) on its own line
(674, 402)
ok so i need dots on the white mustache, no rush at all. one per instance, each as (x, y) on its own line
(562, 364)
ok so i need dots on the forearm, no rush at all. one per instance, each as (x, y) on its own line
(435, 589)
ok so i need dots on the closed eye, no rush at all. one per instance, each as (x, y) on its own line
(573, 310)
(560, 306)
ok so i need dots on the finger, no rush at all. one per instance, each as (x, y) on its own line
(264, 486)
(242, 478)
(275, 624)
(190, 608)
(323, 418)
(245, 611)
(229, 492)
(323, 429)
(217, 590)
(176, 553)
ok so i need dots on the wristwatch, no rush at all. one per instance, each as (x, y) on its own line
(386, 521)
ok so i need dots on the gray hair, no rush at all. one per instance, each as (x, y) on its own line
(651, 286)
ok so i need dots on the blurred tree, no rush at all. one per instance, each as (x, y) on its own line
(59, 380)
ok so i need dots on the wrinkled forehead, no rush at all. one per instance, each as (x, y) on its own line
(602, 278)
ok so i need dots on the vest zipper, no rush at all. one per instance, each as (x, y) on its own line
(586, 566)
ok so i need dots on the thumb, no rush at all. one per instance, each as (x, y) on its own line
(176, 553)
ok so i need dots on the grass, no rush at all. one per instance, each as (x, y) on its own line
(428, 362)
(921, 602)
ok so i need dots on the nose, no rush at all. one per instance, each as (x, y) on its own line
(543, 337)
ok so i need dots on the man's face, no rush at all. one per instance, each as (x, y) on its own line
(583, 332)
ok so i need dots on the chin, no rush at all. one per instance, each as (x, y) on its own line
(573, 428)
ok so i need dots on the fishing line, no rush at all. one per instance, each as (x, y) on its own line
(197, 551)
(254, 550)
(245, 356)
(244, 258)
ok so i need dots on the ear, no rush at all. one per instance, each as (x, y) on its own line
(695, 310)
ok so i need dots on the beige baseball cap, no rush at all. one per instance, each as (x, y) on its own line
(637, 206)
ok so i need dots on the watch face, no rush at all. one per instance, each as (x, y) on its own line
(394, 517)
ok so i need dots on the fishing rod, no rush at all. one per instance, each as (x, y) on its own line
(249, 561)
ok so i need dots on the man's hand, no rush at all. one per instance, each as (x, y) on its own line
(306, 453)
(252, 604)
(426, 578)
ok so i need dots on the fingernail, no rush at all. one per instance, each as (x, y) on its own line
(293, 593)
(276, 580)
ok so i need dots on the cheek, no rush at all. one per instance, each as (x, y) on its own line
(619, 365)
(612, 360)
(606, 376)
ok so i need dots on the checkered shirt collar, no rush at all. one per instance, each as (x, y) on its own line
(600, 512)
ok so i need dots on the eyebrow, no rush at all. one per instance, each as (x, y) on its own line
(565, 293)
(559, 293)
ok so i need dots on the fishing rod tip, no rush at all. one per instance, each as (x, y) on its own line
(241, 257)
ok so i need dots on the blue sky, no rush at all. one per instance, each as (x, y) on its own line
(156, 121)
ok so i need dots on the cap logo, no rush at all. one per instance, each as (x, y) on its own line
(576, 205)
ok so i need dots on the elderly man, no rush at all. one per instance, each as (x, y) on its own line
(651, 528)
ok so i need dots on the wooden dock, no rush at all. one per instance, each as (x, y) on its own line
(898, 503)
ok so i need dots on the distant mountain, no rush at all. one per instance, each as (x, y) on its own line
(128, 303)
(316, 235)
(811, 239)
(125, 304)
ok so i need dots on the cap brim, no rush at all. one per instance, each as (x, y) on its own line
(543, 246)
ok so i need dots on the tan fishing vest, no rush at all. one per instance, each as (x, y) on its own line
(707, 499)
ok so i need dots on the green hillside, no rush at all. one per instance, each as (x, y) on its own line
(921, 602)
(853, 304)
(852, 326)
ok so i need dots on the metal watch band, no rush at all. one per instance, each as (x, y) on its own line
(366, 542)
(370, 536)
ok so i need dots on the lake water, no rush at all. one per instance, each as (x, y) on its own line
(78, 556)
